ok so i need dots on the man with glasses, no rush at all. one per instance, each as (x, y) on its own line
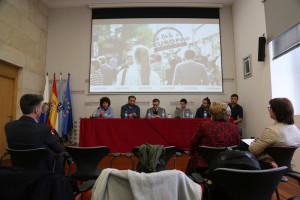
(155, 111)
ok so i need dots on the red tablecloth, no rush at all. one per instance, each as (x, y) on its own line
(121, 135)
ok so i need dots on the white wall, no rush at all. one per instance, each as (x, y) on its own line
(69, 33)
(254, 92)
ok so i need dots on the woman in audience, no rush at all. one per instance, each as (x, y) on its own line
(282, 133)
(105, 111)
(202, 111)
(218, 132)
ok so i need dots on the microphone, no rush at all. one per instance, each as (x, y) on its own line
(177, 116)
(93, 114)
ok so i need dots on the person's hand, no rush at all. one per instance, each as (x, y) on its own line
(102, 114)
(134, 115)
(157, 116)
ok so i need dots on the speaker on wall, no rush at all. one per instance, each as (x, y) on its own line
(261, 48)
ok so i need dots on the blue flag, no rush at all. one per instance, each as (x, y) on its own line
(59, 120)
(46, 107)
(67, 113)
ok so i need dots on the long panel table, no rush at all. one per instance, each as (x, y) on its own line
(121, 135)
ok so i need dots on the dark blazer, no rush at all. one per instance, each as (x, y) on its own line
(200, 112)
(160, 111)
(25, 133)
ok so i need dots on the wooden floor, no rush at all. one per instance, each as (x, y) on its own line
(286, 190)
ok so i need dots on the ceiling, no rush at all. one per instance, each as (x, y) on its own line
(83, 3)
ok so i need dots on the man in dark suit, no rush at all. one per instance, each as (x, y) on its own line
(190, 72)
(27, 133)
(155, 111)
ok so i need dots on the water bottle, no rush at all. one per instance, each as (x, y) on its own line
(163, 115)
(187, 114)
(126, 114)
(149, 114)
(105, 115)
(205, 114)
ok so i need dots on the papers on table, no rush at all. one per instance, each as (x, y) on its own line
(248, 141)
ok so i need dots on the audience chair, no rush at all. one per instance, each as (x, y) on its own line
(128, 185)
(209, 153)
(116, 155)
(86, 160)
(18, 183)
(34, 159)
(168, 154)
(248, 184)
(294, 198)
(283, 157)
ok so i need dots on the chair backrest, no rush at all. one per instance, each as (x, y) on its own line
(208, 153)
(34, 159)
(282, 155)
(169, 151)
(248, 184)
(87, 159)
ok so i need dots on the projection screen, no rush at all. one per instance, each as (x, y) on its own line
(155, 54)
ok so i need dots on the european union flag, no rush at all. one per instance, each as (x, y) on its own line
(67, 113)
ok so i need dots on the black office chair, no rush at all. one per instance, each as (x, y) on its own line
(166, 155)
(34, 159)
(283, 157)
(294, 198)
(18, 183)
(209, 153)
(247, 184)
(86, 160)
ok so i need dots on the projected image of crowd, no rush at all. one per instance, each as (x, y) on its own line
(155, 55)
(139, 67)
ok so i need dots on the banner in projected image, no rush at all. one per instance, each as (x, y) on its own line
(155, 55)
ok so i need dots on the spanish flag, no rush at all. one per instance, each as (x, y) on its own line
(53, 107)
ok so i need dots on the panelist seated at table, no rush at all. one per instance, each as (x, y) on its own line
(202, 111)
(155, 111)
(105, 111)
(130, 110)
(183, 111)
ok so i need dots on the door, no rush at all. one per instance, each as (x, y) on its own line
(8, 91)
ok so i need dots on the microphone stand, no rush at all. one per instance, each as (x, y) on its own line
(93, 114)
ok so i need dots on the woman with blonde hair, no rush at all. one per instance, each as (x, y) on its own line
(139, 73)
(218, 132)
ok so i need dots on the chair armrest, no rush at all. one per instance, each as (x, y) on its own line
(198, 178)
(4, 155)
(293, 174)
(178, 154)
